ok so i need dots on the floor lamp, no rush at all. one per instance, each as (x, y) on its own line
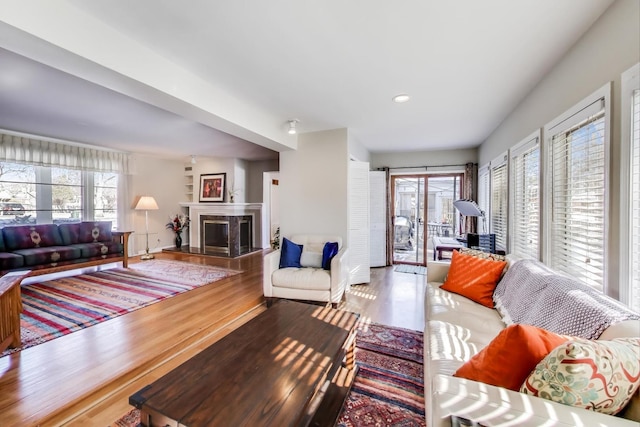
(146, 204)
(471, 208)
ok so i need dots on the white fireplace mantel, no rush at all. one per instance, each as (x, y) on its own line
(227, 209)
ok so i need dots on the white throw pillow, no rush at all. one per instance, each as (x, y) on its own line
(311, 259)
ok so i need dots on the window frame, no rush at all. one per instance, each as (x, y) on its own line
(502, 161)
(576, 114)
(532, 141)
(43, 182)
(91, 204)
(484, 197)
(630, 82)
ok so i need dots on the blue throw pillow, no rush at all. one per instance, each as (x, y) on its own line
(328, 252)
(290, 254)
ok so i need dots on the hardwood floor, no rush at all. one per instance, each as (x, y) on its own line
(85, 378)
(394, 299)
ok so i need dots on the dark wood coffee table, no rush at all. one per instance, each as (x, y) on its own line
(292, 365)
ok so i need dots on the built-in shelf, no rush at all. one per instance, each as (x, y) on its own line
(188, 182)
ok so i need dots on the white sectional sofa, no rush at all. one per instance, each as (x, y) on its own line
(456, 328)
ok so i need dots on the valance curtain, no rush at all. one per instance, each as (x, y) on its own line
(19, 149)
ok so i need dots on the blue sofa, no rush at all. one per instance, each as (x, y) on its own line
(45, 248)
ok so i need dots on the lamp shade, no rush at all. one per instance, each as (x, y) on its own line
(468, 207)
(146, 203)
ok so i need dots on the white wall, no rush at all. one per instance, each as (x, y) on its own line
(162, 179)
(214, 165)
(611, 46)
(130, 67)
(254, 192)
(608, 48)
(238, 182)
(271, 200)
(313, 185)
(424, 158)
(357, 151)
(245, 176)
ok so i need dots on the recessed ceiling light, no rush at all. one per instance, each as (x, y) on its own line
(403, 97)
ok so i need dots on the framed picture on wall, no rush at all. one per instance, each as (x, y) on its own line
(212, 187)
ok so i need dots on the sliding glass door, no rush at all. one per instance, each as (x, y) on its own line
(442, 217)
(423, 208)
(408, 214)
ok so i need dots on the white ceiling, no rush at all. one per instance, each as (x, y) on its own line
(49, 102)
(330, 64)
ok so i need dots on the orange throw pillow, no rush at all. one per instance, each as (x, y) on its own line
(512, 355)
(473, 277)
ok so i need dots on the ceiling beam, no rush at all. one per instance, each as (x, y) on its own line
(60, 36)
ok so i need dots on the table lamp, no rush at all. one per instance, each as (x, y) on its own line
(146, 204)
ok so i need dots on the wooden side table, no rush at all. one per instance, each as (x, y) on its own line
(123, 237)
(10, 309)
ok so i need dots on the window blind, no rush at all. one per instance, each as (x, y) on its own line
(499, 200)
(525, 200)
(577, 166)
(634, 299)
(483, 196)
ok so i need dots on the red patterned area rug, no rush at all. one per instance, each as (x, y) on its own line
(59, 307)
(388, 389)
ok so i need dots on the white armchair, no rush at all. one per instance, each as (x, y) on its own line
(307, 283)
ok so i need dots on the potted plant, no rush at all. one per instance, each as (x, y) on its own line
(178, 223)
(275, 243)
(233, 192)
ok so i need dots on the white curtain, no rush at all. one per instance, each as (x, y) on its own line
(20, 149)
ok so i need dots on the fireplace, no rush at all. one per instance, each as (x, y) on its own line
(259, 235)
(226, 235)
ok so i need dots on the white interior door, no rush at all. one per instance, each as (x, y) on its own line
(359, 230)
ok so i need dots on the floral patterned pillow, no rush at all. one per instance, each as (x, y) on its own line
(598, 375)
